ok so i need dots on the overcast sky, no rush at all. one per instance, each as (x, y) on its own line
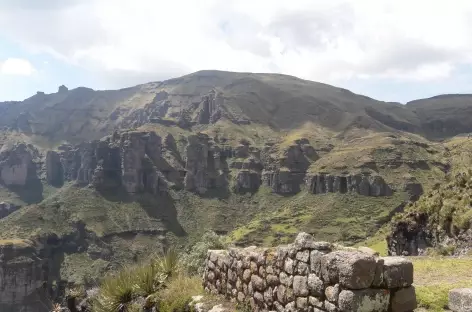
(393, 50)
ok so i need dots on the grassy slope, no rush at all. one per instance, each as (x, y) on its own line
(434, 277)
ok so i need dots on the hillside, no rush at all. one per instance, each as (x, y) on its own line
(278, 101)
(97, 179)
(441, 220)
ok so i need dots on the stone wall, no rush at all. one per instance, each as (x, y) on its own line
(311, 276)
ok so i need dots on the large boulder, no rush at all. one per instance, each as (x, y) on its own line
(460, 300)
(364, 300)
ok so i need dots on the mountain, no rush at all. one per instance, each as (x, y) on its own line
(279, 101)
(92, 180)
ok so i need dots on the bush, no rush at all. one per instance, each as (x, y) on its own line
(149, 279)
(115, 291)
(178, 292)
(194, 260)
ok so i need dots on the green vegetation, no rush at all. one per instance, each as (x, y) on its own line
(448, 207)
(435, 276)
(357, 216)
(163, 282)
(195, 256)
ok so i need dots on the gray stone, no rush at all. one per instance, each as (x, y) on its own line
(332, 293)
(259, 297)
(315, 285)
(397, 272)
(403, 300)
(272, 280)
(285, 279)
(303, 256)
(302, 303)
(268, 296)
(300, 286)
(302, 268)
(262, 272)
(258, 283)
(378, 276)
(281, 294)
(331, 307)
(375, 300)
(315, 302)
(247, 275)
(356, 270)
(306, 241)
(329, 266)
(253, 267)
(291, 307)
(279, 307)
(460, 299)
(315, 261)
(289, 265)
(241, 297)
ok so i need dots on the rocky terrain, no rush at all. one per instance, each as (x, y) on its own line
(96, 179)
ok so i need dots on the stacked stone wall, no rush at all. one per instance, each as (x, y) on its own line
(311, 276)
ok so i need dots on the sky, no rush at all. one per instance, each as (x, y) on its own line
(391, 50)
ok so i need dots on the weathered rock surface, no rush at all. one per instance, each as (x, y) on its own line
(361, 184)
(129, 159)
(23, 273)
(7, 208)
(16, 164)
(460, 300)
(309, 276)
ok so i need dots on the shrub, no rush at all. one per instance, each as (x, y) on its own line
(178, 292)
(168, 263)
(115, 291)
(149, 279)
(193, 261)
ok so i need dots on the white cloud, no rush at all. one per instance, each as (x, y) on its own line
(326, 40)
(17, 67)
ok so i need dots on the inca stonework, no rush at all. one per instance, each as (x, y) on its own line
(311, 276)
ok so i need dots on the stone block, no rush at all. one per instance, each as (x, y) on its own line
(397, 272)
(356, 270)
(300, 286)
(365, 300)
(460, 300)
(403, 300)
(315, 285)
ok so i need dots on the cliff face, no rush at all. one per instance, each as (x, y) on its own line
(129, 159)
(17, 164)
(23, 278)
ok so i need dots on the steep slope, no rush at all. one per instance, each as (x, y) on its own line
(444, 116)
(442, 218)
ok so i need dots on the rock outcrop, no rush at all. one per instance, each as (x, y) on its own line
(6, 209)
(311, 276)
(23, 278)
(209, 110)
(361, 184)
(16, 164)
(127, 159)
(205, 164)
(285, 174)
(412, 235)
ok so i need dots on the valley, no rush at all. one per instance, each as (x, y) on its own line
(94, 180)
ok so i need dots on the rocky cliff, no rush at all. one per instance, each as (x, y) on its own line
(129, 159)
(23, 277)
